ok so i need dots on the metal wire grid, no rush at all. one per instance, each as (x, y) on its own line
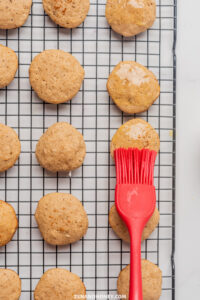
(100, 255)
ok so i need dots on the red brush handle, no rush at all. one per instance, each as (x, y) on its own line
(135, 231)
(135, 204)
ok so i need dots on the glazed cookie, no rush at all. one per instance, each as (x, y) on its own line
(10, 285)
(61, 219)
(56, 76)
(130, 17)
(14, 13)
(8, 65)
(59, 284)
(132, 87)
(8, 223)
(61, 148)
(68, 14)
(135, 133)
(10, 147)
(121, 230)
(151, 281)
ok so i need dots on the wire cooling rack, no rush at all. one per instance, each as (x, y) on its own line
(100, 255)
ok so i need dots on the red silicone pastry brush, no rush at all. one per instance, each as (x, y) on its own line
(135, 200)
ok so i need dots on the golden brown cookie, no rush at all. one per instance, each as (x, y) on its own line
(68, 14)
(59, 284)
(61, 218)
(135, 133)
(8, 223)
(151, 281)
(61, 148)
(130, 17)
(10, 147)
(121, 230)
(132, 87)
(8, 65)
(10, 285)
(14, 13)
(56, 76)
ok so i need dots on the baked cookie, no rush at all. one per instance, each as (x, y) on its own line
(136, 133)
(151, 281)
(59, 284)
(121, 230)
(10, 147)
(61, 148)
(8, 223)
(8, 65)
(132, 87)
(56, 76)
(10, 285)
(68, 14)
(14, 13)
(130, 17)
(61, 218)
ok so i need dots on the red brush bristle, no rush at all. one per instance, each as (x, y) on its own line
(135, 166)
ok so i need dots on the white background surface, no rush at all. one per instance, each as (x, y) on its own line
(188, 152)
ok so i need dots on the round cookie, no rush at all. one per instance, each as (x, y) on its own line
(68, 14)
(61, 148)
(8, 223)
(151, 281)
(10, 285)
(59, 284)
(14, 13)
(61, 218)
(132, 87)
(56, 76)
(130, 17)
(8, 65)
(136, 133)
(10, 147)
(119, 227)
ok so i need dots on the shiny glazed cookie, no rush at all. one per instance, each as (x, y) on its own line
(59, 284)
(8, 223)
(56, 76)
(130, 17)
(10, 147)
(8, 65)
(135, 133)
(10, 285)
(61, 218)
(68, 14)
(14, 13)
(151, 281)
(61, 148)
(121, 230)
(133, 87)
